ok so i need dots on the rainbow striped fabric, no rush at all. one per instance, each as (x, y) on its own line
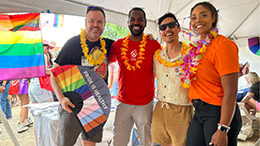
(75, 78)
(21, 49)
(254, 45)
(58, 20)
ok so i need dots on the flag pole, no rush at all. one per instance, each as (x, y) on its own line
(8, 129)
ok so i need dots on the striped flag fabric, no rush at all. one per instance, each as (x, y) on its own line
(89, 93)
(58, 20)
(21, 48)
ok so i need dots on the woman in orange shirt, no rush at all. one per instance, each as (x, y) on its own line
(212, 70)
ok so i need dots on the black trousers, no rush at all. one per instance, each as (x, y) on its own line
(204, 124)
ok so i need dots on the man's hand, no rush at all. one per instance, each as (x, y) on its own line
(2, 89)
(65, 102)
(150, 37)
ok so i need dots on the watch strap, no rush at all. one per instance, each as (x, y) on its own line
(223, 128)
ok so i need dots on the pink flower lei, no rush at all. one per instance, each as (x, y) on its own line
(192, 55)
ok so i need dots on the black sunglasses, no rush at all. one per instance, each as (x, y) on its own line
(164, 26)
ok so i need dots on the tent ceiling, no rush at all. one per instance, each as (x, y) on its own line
(237, 18)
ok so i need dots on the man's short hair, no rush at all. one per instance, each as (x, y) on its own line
(166, 16)
(96, 8)
(138, 9)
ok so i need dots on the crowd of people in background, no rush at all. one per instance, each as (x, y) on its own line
(195, 106)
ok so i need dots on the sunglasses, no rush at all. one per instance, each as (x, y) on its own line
(92, 7)
(170, 25)
(46, 48)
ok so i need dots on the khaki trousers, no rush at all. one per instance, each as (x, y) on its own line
(125, 116)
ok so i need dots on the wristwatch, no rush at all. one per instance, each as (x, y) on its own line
(223, 128)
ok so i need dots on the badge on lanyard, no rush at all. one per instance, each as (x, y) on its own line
(177, 71)
(85, 62)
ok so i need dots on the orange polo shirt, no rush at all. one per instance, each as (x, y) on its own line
(221, 58)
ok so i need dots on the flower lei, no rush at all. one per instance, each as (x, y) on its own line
(192, 55)
(165, 62)
(85, 49)
(141, 54)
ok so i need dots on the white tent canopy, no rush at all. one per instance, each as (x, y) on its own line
(238, 19)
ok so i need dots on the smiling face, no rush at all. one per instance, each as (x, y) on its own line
(95, 24)
(202, 20)
(169, 35)
(136, 22)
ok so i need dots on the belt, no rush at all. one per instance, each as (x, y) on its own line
(200, 102)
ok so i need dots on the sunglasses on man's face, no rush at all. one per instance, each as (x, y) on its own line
(170, 25)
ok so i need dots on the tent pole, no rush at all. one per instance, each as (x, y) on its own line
(8, 128)
(243, 21)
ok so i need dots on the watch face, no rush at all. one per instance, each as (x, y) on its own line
(223, 129)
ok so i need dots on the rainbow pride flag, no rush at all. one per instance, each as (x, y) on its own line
(21, 49)
(58, 20)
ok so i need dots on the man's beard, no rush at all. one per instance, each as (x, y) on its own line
(95, 35)
(137, 34)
